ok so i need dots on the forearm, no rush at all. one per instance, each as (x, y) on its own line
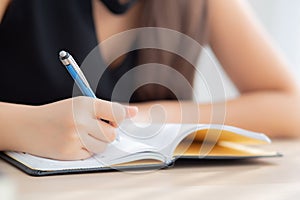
(12, 116)
(273, 113)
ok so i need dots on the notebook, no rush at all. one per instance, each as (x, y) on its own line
(155, 146)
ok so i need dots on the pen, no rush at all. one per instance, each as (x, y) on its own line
(79, 78)
(76, 73)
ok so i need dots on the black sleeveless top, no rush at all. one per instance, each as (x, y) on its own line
(32, 33)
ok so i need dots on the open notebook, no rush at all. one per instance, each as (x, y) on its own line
(154, 146)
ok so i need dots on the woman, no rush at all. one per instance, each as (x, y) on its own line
(36, 114)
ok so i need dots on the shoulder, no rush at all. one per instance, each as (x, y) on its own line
(3, 6)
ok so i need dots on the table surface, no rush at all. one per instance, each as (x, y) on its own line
(267, 178)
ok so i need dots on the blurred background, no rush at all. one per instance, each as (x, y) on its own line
(281, 19)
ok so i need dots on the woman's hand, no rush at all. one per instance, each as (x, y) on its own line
(67, 130)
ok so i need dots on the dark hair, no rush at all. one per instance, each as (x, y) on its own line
(185, 16)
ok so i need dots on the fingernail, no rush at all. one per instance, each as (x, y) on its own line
(131, 111)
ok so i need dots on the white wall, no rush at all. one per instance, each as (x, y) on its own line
(281, 18)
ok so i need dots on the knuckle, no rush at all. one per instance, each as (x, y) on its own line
(81, 102)
(81, 98)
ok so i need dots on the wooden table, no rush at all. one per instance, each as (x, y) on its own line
(272, 178)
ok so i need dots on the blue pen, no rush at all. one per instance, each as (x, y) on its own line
(74, 70)
(79, 78)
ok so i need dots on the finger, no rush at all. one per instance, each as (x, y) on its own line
(113, 124)
(110, 111)
(92, 144)
(131, 111)
(114, 112)
(101, 131)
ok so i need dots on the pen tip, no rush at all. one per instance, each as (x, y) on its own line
(63, 55)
